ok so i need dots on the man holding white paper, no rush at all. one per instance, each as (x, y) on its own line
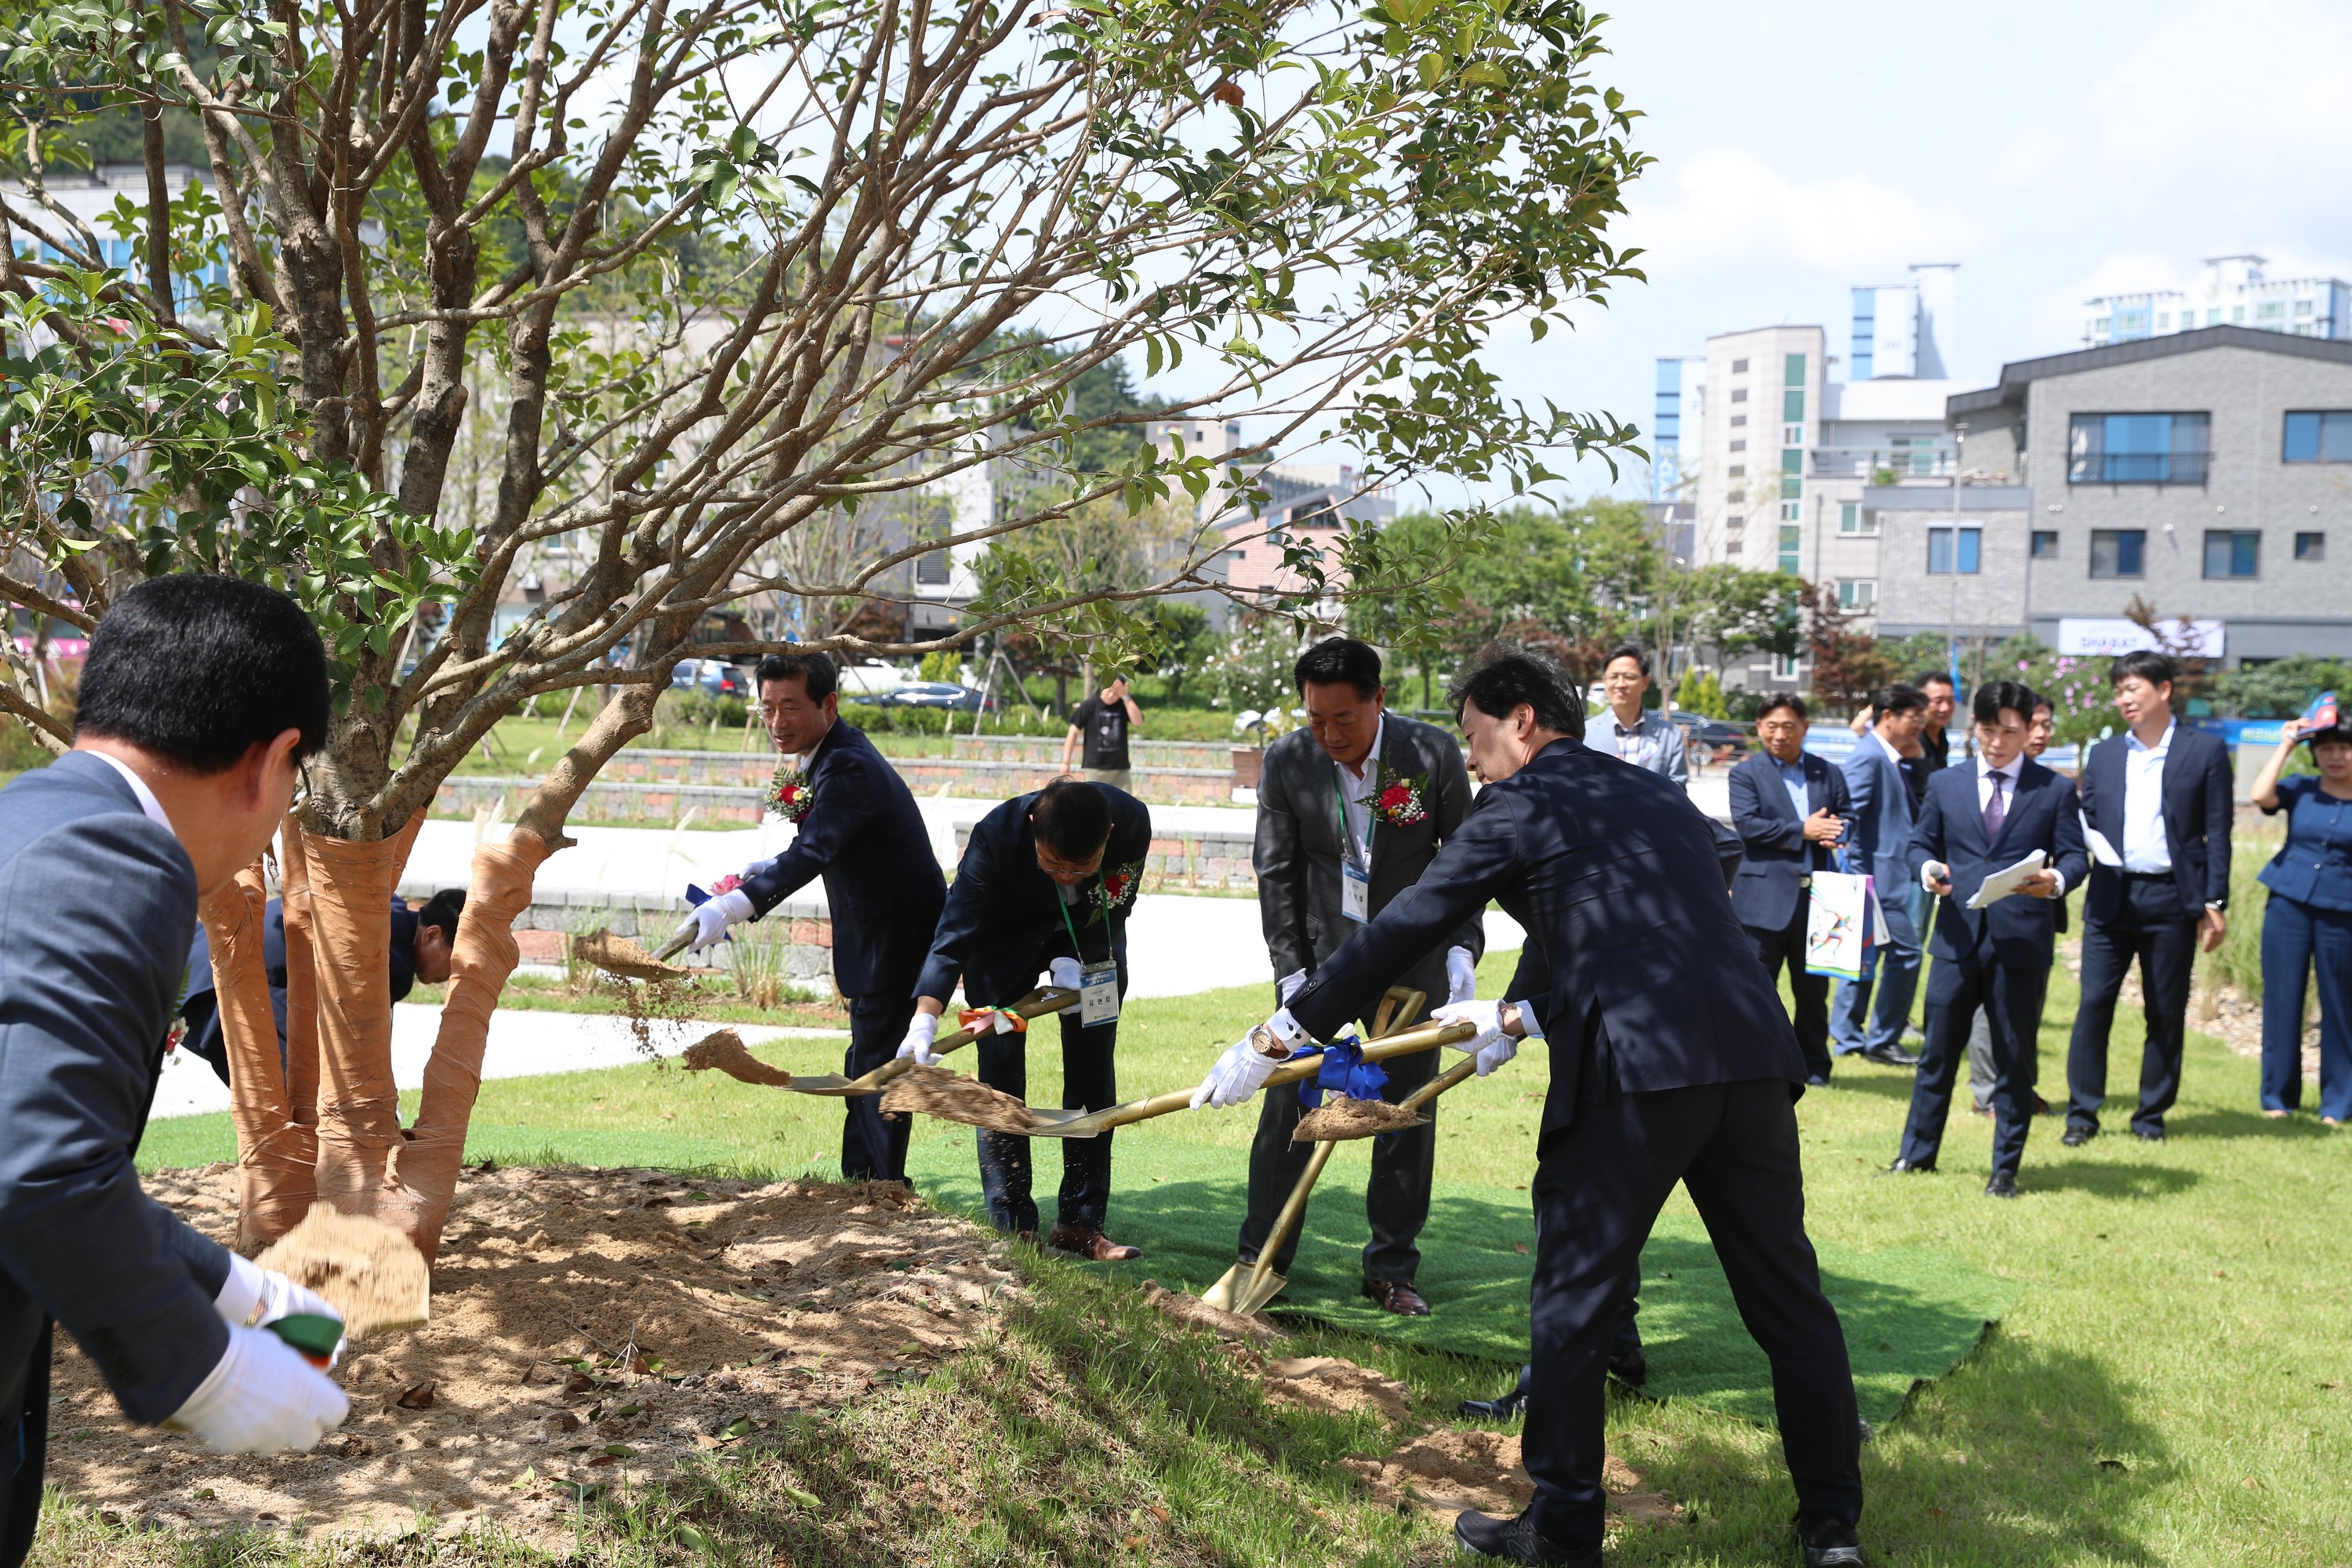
(1978, 823)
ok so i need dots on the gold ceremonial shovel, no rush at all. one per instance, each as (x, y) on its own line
(1087, 1123)
(1245, 1288)
(1038, 1004)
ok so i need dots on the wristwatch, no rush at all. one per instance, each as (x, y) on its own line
(1267, 1040)
(1507, 1019)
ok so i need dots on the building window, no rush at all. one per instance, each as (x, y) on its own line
(1858, 593)
(2118, 552)
(2045, 544)
(2164, 321)
(1731, 547)
(1738, 421)
(1792, 406)
(1739, 367)
(931, 571)
(1943, 559)
(1790, 510)
(2234, 552)
(2271, 309)
(1853, 519)
(1792, 546)
(1792, 435)
(2311, 547)
(1784, 666)
(2318, 436)
(1792, 459)
(1912, 454)
(1739, 446)
(1739, 470)
(1738, 394)
(2138, 448)
(1795, 376)
(2213, 316)
(1736, 521)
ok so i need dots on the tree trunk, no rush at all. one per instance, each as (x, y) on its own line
(351, 914)
(275, 1154)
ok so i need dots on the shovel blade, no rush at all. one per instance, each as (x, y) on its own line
(1232, 1282)
(1055, 1124)
(824, 1083)
(1254, 1299)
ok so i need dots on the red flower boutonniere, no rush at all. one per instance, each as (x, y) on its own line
(726, 884)
(1116, 889)
(790, 796)
(1401, 800)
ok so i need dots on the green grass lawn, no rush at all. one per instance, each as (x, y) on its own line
(2172, 1387)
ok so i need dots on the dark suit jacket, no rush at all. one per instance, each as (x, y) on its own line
(1772, 879)
(1003, 919)
(96, 904)
(2046, 815)
(202, 1007)
(1878, 835)
(1299, 847)
(2199, 802)
(865, 836)
(1636, 964)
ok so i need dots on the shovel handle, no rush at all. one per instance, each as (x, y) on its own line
(1460, 1072)
(673, 947)
(1038, 1004)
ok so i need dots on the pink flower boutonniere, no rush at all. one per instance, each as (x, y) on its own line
(1401, 800)
(1116, 889)
(790, 796)
(726, 884)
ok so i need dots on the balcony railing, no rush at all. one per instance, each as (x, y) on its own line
(1881, 465)
(2138, 468)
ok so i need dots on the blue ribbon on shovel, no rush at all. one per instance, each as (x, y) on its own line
(1344, 1069)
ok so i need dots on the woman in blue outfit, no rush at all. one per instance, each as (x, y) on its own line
(2308, 924)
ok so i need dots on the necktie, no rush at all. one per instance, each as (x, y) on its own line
(1992, 812)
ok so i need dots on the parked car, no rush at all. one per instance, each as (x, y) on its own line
(1708, 739)
(936, 694)
(712, 678)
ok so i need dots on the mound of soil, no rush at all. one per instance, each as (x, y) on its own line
(372, 1273)
(724, 1051)
(935, 1091)
(587, 1326)
(1259, 1329)
(1450, 1470)
(1339, 1118)
(1341, 1387)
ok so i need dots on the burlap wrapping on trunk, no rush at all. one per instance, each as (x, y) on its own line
(351, 939)
(422, 1179)
(274, 1156)
(301, 977)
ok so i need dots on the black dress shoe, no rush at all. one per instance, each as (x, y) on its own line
(1830, 1543)
(1509, 1408)
(1516, 1540)
(1817, 1080)
(1632, 1369)
(2002, 1185)
(1889, 1055)
(2076, 1135)
(2149, 1134)
(1907, 1168)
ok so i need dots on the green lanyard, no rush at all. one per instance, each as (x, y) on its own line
(1371, 819)
(1076, 951)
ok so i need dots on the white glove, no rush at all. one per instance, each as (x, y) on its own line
(263, 1398)
(921, 1030)
(756, 866)
(1461, 975)
(1242, 1070)
(1064, 973)
(1490, 1044)
(255, 1295)
(709, 918)
(1287, 986)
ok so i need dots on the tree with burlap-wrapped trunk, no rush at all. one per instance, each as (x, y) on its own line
(637, 317)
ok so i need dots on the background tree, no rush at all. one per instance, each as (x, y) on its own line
(1847, 665)
(714, 275)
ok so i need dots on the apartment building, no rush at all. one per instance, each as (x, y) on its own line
(2231, 292)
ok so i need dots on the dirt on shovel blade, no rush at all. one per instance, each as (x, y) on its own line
(1339, 1118)
(619, 955)
(723, 1051)
(935, 1091)
(370, 1273)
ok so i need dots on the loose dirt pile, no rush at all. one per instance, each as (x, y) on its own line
(619, 955)
(1258, 1331)
(1448, 1470)
(1340, 1386)
(724, 1051)
(935, 1091)
(1339, 1118)
(370, 1273)
(587, 1326)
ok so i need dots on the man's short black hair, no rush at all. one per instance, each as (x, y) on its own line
(1336, 659)
(1994, 696)
(813, 670)
(2147, 663)
(1776, 701)
(1898, 699)
(201, 670)
(1927, 678)
(2040, 702)
(1072, 818)
(1497, 687)
(442, 909)
(1627, 650)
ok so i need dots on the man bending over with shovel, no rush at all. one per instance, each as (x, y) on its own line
(1615, 875)
(1046, 883)
(1350, 812)
(859, 829)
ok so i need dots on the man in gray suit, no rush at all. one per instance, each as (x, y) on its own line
(1350, 812)
(199, 699)
(1868, 1015)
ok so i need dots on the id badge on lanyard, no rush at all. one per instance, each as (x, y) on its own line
(1355, 877)
(1097, 981)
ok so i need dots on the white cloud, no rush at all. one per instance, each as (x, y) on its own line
(1727, 207)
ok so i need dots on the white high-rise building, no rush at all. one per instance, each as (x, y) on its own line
(1907, 330)
(2231, 292)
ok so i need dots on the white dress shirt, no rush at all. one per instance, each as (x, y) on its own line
(148, 803)
(1356, 792)
(2144, 847)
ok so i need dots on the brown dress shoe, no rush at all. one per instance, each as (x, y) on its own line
(1396, 1296)
(1085, 1241)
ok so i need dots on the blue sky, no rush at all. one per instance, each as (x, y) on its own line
(2055, 150)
